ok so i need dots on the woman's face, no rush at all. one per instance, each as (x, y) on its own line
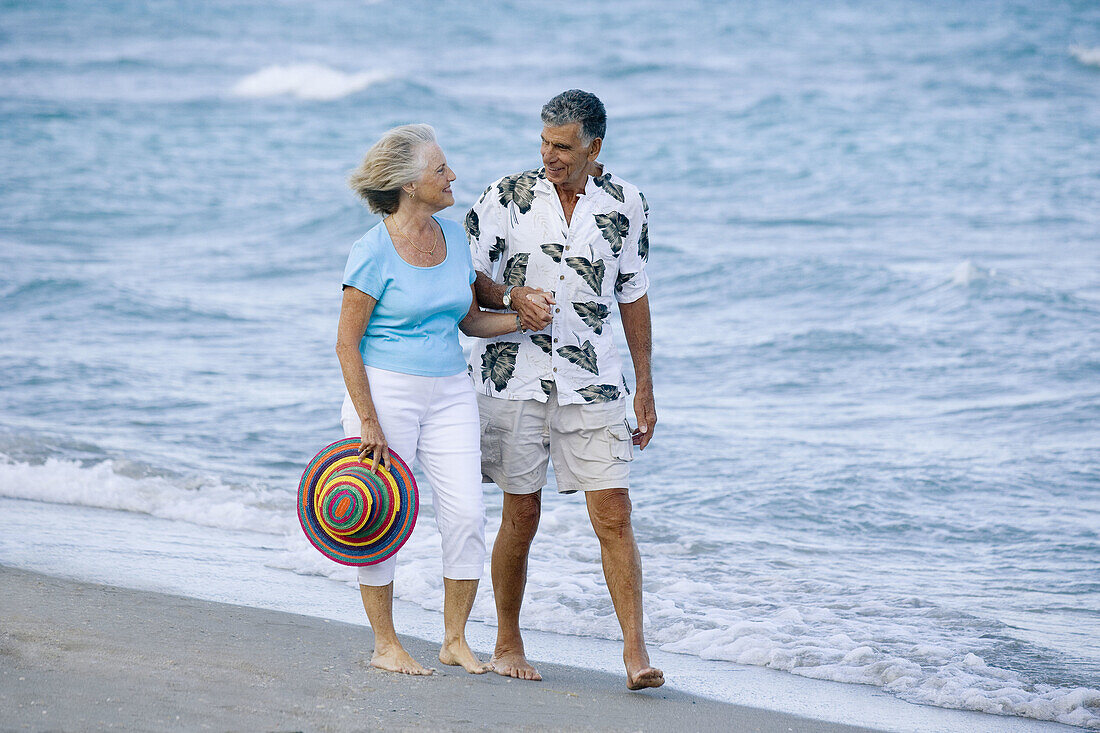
(433, 188)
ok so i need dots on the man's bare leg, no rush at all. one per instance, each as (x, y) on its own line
(458, 599)
(388, 652)
(609, 510)
(518, 523)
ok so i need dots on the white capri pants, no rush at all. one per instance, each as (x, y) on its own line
(433, 420)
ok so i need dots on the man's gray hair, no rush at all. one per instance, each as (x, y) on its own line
(576, 105)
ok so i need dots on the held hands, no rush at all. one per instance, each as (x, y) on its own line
(646, 412)
(533, 307)
(372, 445)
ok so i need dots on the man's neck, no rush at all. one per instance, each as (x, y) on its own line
(575, 188)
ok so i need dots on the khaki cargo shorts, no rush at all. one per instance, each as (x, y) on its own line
(589, 444)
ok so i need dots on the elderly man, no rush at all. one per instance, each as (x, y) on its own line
(557, 245)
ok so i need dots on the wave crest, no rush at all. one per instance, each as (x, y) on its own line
(1087, 56)
(106, 485)
(967, 273)
(304, 81)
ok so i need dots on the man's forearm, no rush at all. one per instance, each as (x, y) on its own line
(639, 339)
(490, 294)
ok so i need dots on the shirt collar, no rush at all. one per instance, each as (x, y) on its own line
(543, 185)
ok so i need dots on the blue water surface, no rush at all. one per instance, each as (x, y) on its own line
(876, 293)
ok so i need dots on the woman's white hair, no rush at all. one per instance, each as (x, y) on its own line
(396, 159)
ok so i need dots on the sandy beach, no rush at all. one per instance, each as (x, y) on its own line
(80, 656)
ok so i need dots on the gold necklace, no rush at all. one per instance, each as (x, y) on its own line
(409, 239)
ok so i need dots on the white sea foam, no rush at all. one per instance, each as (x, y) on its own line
(926, 674)
(104, 485)
(1087, 56)
(967, 272)
(305, 81)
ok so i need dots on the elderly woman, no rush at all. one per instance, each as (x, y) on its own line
(407, 292)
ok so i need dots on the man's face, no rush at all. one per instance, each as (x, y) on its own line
(566, 158)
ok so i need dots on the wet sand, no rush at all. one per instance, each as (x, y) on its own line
(79, 656)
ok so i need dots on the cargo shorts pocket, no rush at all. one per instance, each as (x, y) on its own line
(492, 442)
(620, 443)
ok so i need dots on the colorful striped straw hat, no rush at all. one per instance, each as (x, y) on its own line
(352, 515)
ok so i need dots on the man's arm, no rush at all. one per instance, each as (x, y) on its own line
(639, 339)
(532, 304)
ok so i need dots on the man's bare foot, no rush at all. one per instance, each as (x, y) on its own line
(459, 654)
(396, 659)
(645, 677)
(514, 665)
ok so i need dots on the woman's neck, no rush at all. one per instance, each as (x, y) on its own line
(413, 219)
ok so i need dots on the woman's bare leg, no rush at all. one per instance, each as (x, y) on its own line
(388, 652)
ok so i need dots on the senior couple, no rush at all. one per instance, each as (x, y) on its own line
(549, 250)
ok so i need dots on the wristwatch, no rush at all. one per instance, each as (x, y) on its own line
(507, 299)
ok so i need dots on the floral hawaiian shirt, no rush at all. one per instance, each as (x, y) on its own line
(518, 236)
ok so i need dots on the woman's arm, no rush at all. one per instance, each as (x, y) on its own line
(484, 324)
(355, 312)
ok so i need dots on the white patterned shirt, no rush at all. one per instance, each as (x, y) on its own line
(518, 236)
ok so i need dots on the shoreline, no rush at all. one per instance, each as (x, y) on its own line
(81, 655)
(240, 569)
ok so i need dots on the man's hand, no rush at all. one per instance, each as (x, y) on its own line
(646, 412)
(533, 306)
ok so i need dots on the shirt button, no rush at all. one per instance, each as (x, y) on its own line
(555, 341)
(557, 310)
(561, 277)
(555, 369)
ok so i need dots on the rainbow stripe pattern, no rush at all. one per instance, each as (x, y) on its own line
(351, 514)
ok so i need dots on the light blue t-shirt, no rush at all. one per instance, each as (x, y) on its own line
(414, 326)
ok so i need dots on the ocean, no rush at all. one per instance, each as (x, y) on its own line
(875, 275)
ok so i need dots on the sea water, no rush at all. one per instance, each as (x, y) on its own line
(875, 289)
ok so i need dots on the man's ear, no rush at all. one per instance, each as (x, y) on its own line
(594, 149)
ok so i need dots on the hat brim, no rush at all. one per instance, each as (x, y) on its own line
(399, 480)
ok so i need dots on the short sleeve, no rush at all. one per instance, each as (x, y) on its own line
(632, 281)
(364, 269)
(485, 231)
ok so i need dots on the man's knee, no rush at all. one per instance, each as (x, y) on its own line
(521, 513)
(609, 511)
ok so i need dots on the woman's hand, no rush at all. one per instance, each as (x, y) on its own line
(486, 324)
(372, 445)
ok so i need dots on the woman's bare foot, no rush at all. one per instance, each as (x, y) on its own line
(459, 654)
(396, 659)
(514, 664)
(644, 677)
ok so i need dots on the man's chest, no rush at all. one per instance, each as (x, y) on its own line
(575, 261)
(546, 227)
